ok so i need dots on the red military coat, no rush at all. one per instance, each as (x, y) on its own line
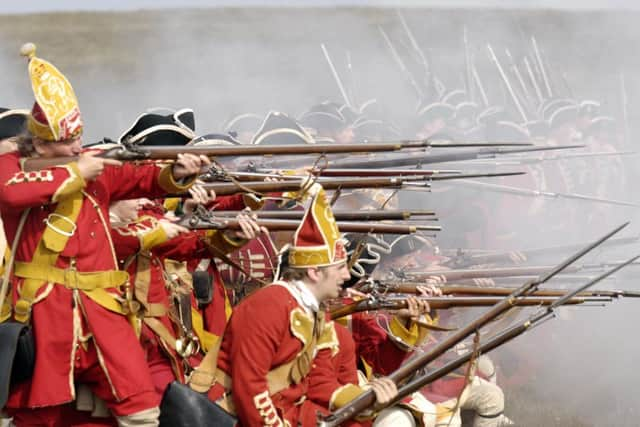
(268, 329)
(334, 380)
(142, 247)
(53, 315)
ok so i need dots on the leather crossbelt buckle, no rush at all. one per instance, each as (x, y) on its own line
(48, 222)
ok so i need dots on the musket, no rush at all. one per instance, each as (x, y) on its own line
(516, 72)
(430, 158)
(226, 189)
(516, 161)
(472, 257)
(506, 335)
(131, 152)
(212, 222)
(383, 287)
(398, 302)
(467, 65)
(229, 188)
(543, 72)
(401, 64)
(342, 215)
(335, 172)
(499, 188)
(504, 291)
(418, 50)
(505, 79)
(534, 82)
(516, 280)
(478, 81)
(476, 273)
(625, 106)
(367, 399)
(214, 174)
(336, 77)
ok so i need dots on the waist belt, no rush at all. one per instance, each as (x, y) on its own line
(72, 279)
(93, 284)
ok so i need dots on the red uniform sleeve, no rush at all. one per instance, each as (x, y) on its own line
(375, 346)
(331, 373)
(131, 181)
(259, 325)
(20, 190)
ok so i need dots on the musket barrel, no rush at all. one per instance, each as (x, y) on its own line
(345, 215)
(222, 223)
(367, 399)
(226, 189)
(482, 272)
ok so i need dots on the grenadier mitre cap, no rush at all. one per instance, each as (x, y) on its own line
(317, 241)
(55, 115)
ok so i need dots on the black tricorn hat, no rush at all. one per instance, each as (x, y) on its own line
(215, 139)
(370, 250)
(154, 129)
(280, 129)
(562, 115)
(366, 129)
(246, 122)
(602, 125)
(436, 110)
(589, 108)
(454, 97)
(550, 106)
(12, 122)
(327, 117)
(406, 244)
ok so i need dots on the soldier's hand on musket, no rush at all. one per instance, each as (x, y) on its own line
(199, 196)
(91, 166)
(189, 164)
(436, 280)
(273, 179)
(384, 389)
(249, 228)
(517, 257)
(172, 230)
(429, 290)
(484, 283)
(415, 309)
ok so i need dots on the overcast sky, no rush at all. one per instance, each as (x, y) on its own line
(32, 6)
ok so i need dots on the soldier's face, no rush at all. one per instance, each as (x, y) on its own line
(431, 128)
(329, 280)
(66, 148)
(345, 136)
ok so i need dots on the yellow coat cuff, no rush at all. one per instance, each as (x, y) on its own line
(169, 184)
(402, 336)
(343, 395)
(252, 201)
(155, 237)
(71, 185)
(224, 243)
(171, 204)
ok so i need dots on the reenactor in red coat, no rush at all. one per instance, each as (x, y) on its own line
(66, 282)
(269, 347)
